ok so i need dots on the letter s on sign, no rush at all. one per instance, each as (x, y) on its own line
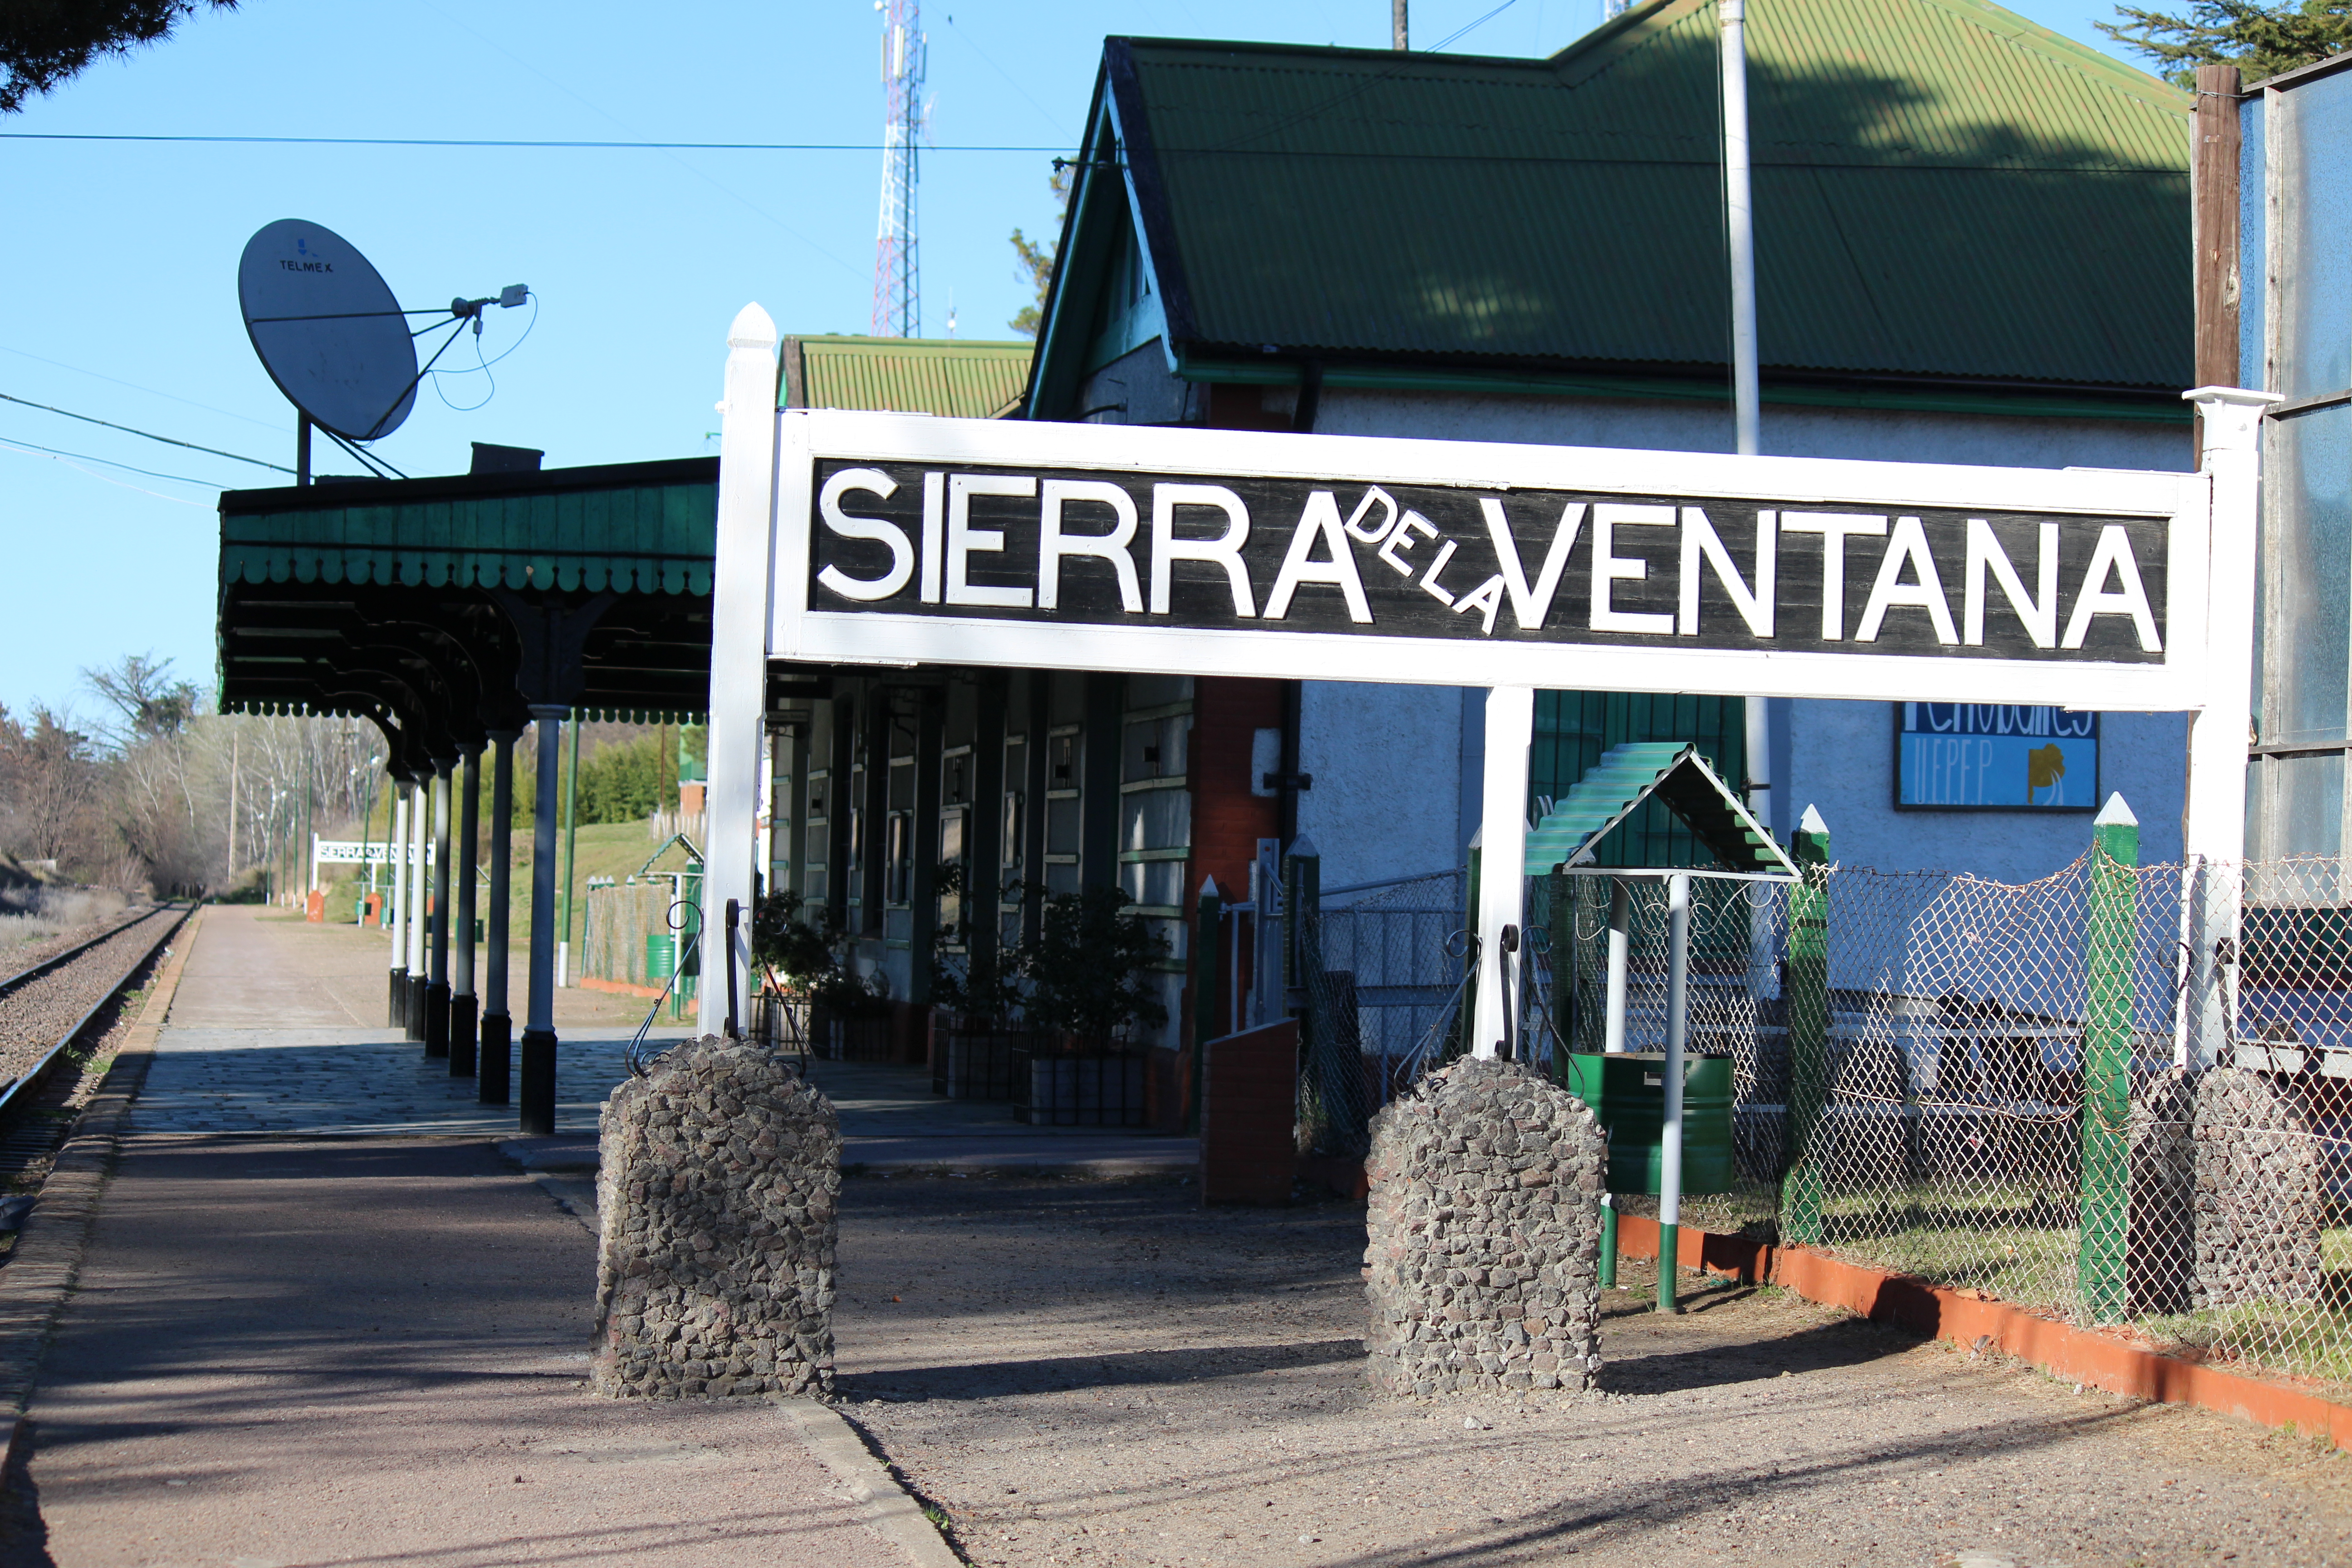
(902, 551)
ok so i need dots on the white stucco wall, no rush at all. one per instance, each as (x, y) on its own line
(1387, 766)
(1393, 794)
(1842, 761)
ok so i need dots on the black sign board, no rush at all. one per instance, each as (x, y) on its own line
(1109, 548)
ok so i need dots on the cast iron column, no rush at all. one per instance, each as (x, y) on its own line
(498, 1028)
(395, 905)
(418, 915)
(538, 1119)
(462, 1002)
(436, 989)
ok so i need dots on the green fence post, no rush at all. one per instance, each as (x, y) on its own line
(1806, 996)
(1205, 932)
(1563, 974)
(2106, 1059)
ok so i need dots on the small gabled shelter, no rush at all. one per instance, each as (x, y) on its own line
(1573, 834)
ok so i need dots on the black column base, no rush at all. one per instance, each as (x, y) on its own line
(461, 1037)
(414, 1017)
(495, 1073)
(437, 1019)
(396, 1008)
(537, 1109)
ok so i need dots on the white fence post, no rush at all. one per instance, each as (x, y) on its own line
(2213, 822)
(739, 654)
(1502, 856)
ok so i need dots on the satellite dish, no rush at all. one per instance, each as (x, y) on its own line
(328, 331)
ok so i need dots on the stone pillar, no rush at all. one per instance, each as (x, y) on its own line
(2260, 1195)
(1483, 1235)
(717, 1189)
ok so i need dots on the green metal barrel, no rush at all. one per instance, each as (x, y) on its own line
(1628, 1093)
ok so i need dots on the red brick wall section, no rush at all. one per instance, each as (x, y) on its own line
(1227, 819)
(1248, 1152)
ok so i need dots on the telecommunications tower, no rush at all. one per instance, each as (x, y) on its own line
(897, 295)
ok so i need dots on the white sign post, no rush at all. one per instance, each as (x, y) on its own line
(882, 540)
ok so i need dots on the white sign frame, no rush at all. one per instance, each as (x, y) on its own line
(759, 609)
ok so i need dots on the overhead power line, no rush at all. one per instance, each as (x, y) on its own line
(61, 453)
(144, 435)
(495, 142)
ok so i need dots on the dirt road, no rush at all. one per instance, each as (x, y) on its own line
(1102, 1373)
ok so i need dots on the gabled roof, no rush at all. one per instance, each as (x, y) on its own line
(1613, 789)
(953, 377)
(1944, 192)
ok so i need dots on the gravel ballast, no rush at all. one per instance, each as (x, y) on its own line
(1105, 1373)
(36, 1016)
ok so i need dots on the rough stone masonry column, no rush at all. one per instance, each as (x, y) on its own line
(1483, 1235)
(716, 1192)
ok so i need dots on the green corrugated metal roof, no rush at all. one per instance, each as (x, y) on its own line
(1613, 788)
(1942, 189)
(646, 528)
(952, 377)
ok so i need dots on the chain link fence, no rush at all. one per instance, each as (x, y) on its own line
(2121, 1096)
(633, 934)
(1379, 978)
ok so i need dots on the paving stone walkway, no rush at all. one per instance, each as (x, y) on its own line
(277, 1029)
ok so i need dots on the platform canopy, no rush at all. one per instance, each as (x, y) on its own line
(442, 608)
(1611, 792)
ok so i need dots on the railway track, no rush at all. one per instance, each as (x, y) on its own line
(44, 1009)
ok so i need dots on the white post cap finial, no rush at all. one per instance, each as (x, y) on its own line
(1208, 888)
(2232, 415)
(754, 328)
(2115, 814)
(1303, 847)
(1811, 821)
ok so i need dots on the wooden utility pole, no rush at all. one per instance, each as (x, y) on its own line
(2213, 184)
(1396, 24)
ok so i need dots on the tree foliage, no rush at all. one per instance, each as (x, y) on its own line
(1034, 262)
(2259, 40)
(45, 43)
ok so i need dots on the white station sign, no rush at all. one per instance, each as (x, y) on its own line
(899, 538)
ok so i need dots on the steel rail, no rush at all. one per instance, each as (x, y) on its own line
(59, 960)
(33, 1076)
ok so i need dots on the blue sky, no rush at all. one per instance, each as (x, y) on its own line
(120, 273)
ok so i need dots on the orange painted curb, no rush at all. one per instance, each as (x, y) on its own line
(2061, 1349)
(617, 987)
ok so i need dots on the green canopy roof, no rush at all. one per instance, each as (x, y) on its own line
(955, 378)
(1612, 789)
(646, 528)
(1945, 193)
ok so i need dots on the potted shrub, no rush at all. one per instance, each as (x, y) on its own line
(1087, 987)
(847, 1017)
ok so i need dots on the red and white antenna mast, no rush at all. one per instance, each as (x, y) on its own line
(897, 294)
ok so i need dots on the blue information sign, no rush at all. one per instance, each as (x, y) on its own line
(1993, 756)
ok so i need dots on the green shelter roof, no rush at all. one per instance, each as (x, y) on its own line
(646, 528)
(1944, 192)
(948, 376)
(1613, 788)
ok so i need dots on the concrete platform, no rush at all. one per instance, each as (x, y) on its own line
(371, 1349)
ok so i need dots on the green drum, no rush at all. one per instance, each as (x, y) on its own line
(1628, 1093)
